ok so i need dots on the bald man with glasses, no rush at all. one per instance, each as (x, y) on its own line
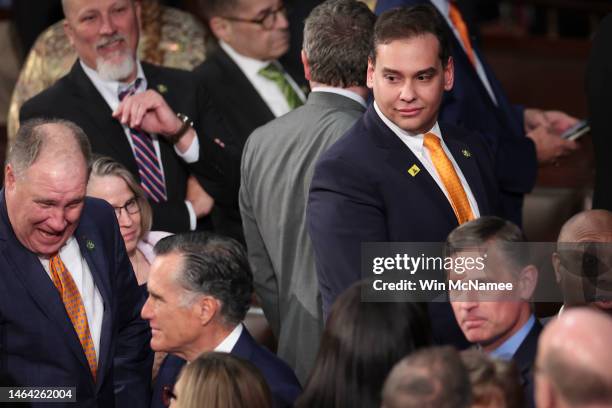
(245, 80)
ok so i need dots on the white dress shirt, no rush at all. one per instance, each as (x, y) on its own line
(443, 7)
(416, 146)
(266, 88)
(110, 92)
(81, 274)
(228, 344)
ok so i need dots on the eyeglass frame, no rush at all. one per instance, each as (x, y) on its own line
(167, 395)
(261, 21)
(125, 205)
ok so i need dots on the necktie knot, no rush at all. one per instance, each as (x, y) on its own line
(431, 141)
(275, 74)
(130, 89)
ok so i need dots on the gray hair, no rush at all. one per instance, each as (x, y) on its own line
(433, 377)
(337, 36)
(213, 265)
(509, 238)
(105, 166)
(33, 137)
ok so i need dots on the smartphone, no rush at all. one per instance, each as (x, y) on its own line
(579, 129)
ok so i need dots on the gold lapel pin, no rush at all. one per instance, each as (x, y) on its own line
(162, 88)
(414, 170)
(466, 153)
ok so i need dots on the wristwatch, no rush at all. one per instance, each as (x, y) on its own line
(187, 124)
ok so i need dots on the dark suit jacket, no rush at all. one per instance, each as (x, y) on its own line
(281, 380)
(245, 110)
(38, 344)
(74, 97)
(361, 192)
(599, 89)
(469, 105)
(525, 362)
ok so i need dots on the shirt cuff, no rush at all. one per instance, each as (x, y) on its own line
(192, 154)
(193, 220)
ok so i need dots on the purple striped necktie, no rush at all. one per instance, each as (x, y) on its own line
(149, 166)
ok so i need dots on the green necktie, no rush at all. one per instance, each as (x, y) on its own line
(274, 74)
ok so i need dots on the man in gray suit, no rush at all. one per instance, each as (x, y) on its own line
(277, 166)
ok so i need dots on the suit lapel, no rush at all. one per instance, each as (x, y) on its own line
(469, 167)
(110, 131)
(28, 269)
(401, 159)
(87, 239)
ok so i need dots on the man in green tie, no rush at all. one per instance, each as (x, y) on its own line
(244, 78)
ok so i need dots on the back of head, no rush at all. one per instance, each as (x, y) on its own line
(408, 22)
(221, 380)
(494, 382)
(216, 266)
(62, 141)
(574, 360)
(361, 343)
(433, 377)
(337, 36)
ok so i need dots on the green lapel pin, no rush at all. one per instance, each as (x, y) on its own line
(90, 244)
(162, 88)
(466, 153)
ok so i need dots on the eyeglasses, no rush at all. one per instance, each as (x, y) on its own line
(167, 395)
(267, 21)
(131, 207)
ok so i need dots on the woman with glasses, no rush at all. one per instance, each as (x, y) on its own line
(112, 182)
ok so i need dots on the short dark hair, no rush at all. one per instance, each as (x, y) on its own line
(337, 36)
(216, 8)
(213, 265)
(360, 344)
(433, 377)
(509, 238)
(409, 22)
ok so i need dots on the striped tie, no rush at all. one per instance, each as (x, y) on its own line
(450, 179)
(149, 168)
(75, 308)
(274, 74)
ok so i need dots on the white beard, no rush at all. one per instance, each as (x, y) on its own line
(112, 71)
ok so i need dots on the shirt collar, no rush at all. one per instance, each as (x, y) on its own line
(341, 91)
(443, 6)
(508, 348)
(413, 140)
(228, 344)
(110, 88)
(250, 66)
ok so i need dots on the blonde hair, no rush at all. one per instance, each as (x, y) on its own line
(221, 380)
(105, 166)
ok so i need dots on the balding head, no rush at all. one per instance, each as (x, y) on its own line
(574, 361)
(588, 226)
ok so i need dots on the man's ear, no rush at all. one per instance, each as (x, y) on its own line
(527, 282)
(207, 308)
(220, 28)
(68, 31)
(449, 74)
(306, 65)
(10, 177)
(556, 262)
(370, 73)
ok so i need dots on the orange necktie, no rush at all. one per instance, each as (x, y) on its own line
(459, 23)
(450, 179)
(74, 307)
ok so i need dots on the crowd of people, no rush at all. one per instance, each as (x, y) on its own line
(145, 209)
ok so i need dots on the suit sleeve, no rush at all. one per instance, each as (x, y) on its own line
(266, 285)
(599, 88)
(133, 358)
(343, 211)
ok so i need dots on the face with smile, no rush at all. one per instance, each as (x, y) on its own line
(408, 81)
(105, 34)
(116, 192)
(45, 201)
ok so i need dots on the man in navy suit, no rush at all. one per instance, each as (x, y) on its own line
(501, 322)
(69, 300)
(380, 181)
(200, 287)
(477, 102)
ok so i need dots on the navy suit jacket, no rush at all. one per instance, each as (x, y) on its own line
(362, 192)
(280, 378)
(524, 359)
(38, 344)
(75, 98)
(469, 105)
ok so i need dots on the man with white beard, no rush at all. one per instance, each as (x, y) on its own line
(156, 121)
